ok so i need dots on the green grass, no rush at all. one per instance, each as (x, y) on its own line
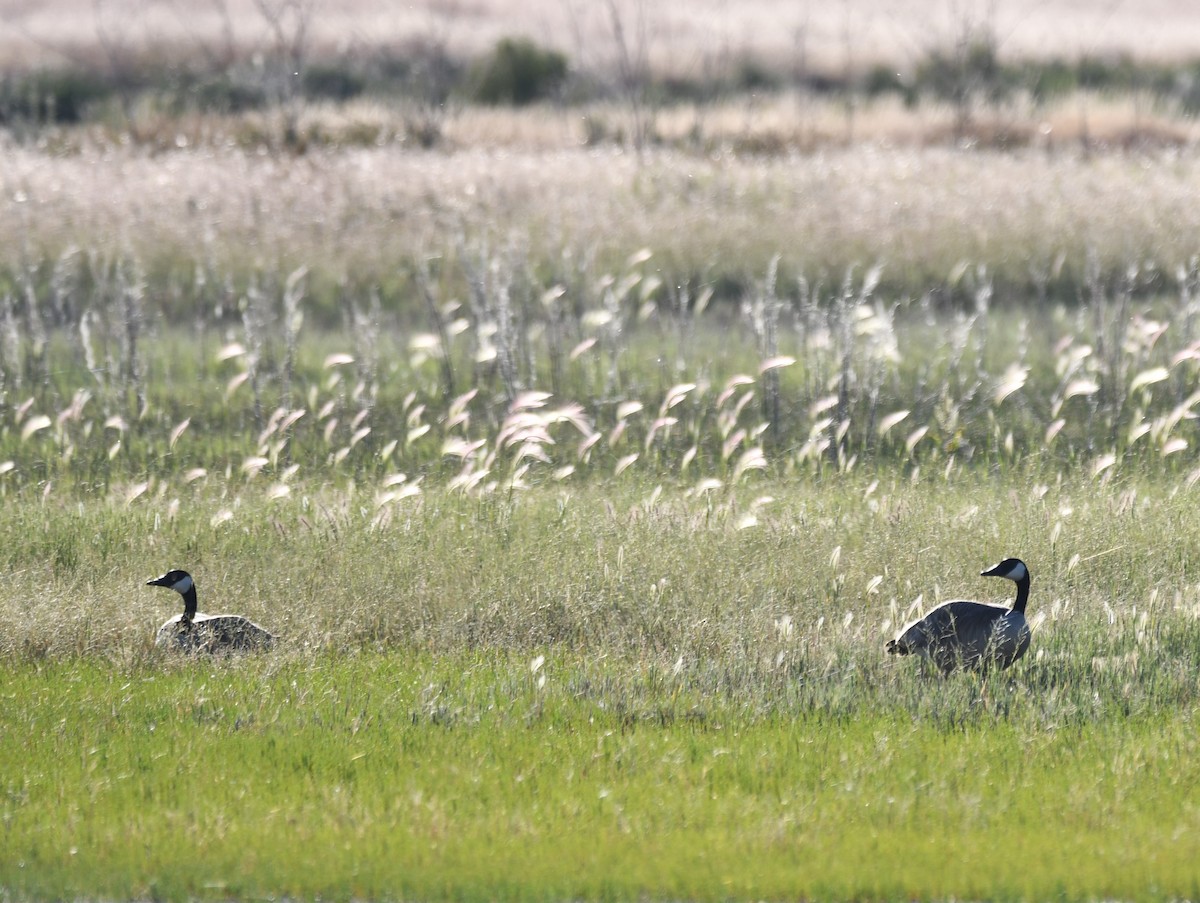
(406, 776)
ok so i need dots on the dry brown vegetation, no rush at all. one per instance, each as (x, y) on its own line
(716, 188)
(921, 212)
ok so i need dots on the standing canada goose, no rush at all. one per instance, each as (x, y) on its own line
(972, 634)
(194, 632)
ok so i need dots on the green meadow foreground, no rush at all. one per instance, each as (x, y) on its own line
(405, 776)
(604, 693)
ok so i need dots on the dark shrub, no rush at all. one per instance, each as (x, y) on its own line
(227, 95)
(882, 79)
(518, 72)
(61, 96)
(1052, 80)
(333, 83)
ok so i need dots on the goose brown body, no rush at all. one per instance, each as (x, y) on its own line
(196, 632)
(974, 635)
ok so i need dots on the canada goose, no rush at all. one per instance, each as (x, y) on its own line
(194, 632)
(972, 634)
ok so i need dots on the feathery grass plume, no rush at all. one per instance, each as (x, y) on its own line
(1012, 381)
(1102, 464)
(583, 452)
(330, 428)
(491, 280)
(1148, 378)
(688, 457)
(732, 442)
(674, 396)
(135, 491)
(1053, 430)
(763, 312)
(659, 423)
(750, 459)
(582, 348)
(458, 414)
(891, 420)
(913, 439)
(1171, 446)
(294, 291)
(706, 486)
(253, 465)
(34, 425)
(235, 383)
(257, 317)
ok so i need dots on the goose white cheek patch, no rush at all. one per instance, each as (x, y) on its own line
(183, 585)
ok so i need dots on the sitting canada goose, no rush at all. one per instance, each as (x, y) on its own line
(972, 634)
(194, 632)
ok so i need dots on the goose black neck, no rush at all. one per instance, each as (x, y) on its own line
(1022, 594)
(189, 604)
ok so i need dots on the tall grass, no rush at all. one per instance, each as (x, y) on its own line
(733, 591)
(607, 374)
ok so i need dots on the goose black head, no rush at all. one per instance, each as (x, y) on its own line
(1010, 568)
(180, 581)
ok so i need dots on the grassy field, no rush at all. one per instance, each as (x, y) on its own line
(561, 648)
(603, 695)
(584, 455)
(584, 578)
